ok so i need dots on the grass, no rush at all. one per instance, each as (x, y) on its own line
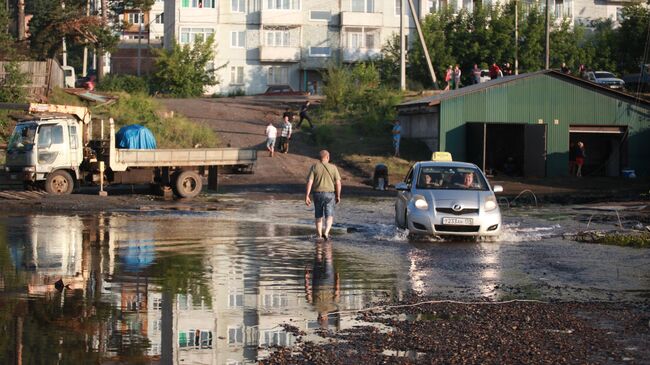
(363, 151)
(640, 240)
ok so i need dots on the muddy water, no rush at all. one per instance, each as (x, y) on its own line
(216, 287)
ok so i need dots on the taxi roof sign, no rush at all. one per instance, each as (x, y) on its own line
(441, 156)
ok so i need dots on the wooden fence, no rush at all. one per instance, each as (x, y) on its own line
(43, 75)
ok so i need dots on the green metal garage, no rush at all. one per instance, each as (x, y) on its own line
(524, 124)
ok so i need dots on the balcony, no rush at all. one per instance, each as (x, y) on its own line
(281, 17)
(359, 54)
(279, 54)
(357, 19)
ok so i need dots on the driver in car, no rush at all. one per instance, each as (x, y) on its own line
(467, 181)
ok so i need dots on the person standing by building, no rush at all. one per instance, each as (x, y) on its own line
(304, 115)
(476, 74)
(285, 135)
(448, 77)
(580, 158)
(271, 134)
(457, 74)
(325, 182)
(397, 136)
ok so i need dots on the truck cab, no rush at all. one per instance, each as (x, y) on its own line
(46, 148)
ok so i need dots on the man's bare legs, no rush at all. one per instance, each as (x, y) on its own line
(328, 226)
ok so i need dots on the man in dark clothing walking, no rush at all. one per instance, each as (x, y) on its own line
(304, 115)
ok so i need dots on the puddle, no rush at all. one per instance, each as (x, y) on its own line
(220, 287)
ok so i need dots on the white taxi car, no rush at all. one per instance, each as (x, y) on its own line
(447, 198)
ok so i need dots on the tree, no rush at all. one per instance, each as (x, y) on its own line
(633, 37)
(12, 86)
(7, 41)
(600, 46)
(183, 71)
(51, 23)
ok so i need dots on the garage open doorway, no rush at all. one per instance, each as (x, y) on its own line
(507, 149)
(605, 148)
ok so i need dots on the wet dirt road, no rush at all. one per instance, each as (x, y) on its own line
(218, 287)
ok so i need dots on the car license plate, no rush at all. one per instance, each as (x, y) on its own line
(457, 221)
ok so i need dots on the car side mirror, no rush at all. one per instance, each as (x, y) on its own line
(497, 188)
(401, 186)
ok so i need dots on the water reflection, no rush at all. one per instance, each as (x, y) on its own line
(151, 288)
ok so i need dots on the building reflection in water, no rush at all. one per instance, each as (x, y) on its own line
(164, 289)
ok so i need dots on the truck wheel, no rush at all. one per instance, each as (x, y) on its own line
(59, 183)
(188, 184)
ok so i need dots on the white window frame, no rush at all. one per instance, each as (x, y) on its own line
(311, 54)
(238, 6)
(238, 39)
(192, 33)
(135, 18)
(238, 331)
(369, 6)
(236, 75)
(283, 4)
(274, 79)
(272, 36)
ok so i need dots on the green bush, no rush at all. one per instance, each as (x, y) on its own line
(127, 83)
(12, 86)
(170, 131)
(324, 135)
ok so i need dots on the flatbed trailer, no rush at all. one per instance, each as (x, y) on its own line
(53, 147)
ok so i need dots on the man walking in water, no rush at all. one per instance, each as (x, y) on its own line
(325, 181)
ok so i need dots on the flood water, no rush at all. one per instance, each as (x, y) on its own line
(215, 288)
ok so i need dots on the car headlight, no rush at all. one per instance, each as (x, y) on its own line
(490, 203)
(421, 204)
(29, 168)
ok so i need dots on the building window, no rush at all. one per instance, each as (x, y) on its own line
(278, 75)
(136, 18)
(277, 38)
(189, 35)
(283, 4)
(160, 18)
(363, 6)
(198, 4)
(238, 39)
(320, 15)
(319, 51)
(195, 338)
(236, 75)
(235, 335)
(236, 300)
(238, 6)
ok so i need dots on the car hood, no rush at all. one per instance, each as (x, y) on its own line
(467, 199)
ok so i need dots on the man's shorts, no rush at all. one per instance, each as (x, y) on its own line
(324, 204)
(270, 142)
(395, 142)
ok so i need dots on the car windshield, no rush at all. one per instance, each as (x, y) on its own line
(604, 75)
(23, 137)
(451, 177)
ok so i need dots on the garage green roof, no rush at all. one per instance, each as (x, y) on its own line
(439, 98)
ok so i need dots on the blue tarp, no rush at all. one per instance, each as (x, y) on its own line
(135, 137)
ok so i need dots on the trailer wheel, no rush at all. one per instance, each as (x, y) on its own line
(188, 184)
(59, 183)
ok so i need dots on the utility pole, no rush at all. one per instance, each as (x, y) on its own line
(516, 37)
(21, 21)
(402, 46)
(84, 71)
(416, 20)
(141, 23)
(548, 37)
(100, 64)
(64, 49)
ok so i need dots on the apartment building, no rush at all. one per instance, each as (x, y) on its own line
(280, 43)
(144, 30)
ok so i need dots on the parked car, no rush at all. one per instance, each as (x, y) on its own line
(606, 79)
(447, 199)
